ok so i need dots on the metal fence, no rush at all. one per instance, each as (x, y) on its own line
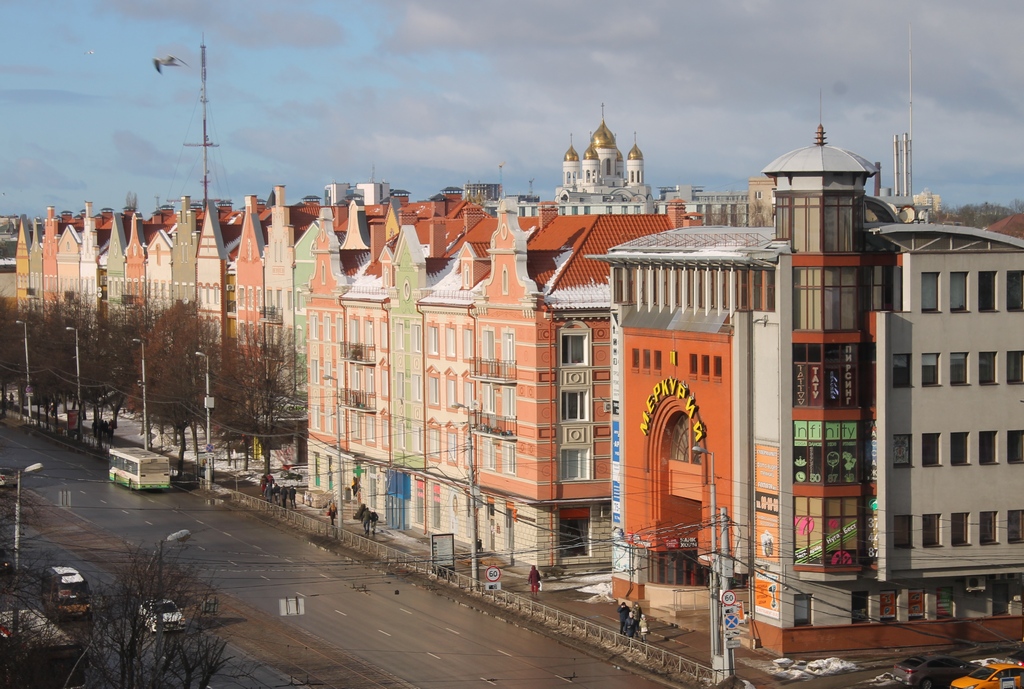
(399, 561)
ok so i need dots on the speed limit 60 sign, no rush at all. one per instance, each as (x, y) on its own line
(492, 574)
(728, 597)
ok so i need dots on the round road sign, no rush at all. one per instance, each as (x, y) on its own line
(728, 597)
(492, 574)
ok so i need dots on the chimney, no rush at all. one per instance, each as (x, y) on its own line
(88, 209)
(676, 212)
(279, 195)
(407, 216)
(50, 212)
(438, 238)
(378, 235)
(548, 212)
(250, 203)
(472, 215)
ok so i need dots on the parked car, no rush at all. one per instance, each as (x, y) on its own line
(931, 670)
(1016, 658)
(65, 593)
(8, 478)
(152, 610)
(988, 676)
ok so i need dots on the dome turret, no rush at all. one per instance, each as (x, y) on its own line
(603, 137)
(591, 153)
(635, 154)
(571, 156)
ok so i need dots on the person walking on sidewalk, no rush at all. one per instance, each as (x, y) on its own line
(373, 522)
(644, 629)
(291, 495)
(631, 623)
(534, 579)
(623, 616)
(366, 520)
(332, 512)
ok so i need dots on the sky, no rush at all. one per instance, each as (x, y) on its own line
(436, 93)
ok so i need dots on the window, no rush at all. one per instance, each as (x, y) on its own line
(959, 529)
(705, 365)
(369, 333)
(508, 459)
(859, 607)
(929, 291)
(930, 449)
(400, 336)
(901, 370)
(573, 349)
(647, 359)
(988, 528)
(400, 385)
(451, 390)
(574, 406)
(636, 359)
(1015, 366)
(574, 465)
(490, 456)
(986, 291)
(433, 340)
(958, 449)
(508, 345)
(929, 369)
(801, 609)
(449, 342)
(417, 387)
(930, 530)
(417, 337)
(467, 344)
(573, 533)
(1015, 290)
(901, 450)
(657, 359)
(453, 447)
(902, 527)
(371, 429)
(433, 441)
(986, 368)
(958, 291)
(718, 367)
(434, 391)
(693, 364)
(1015, 447)
(987, 447)
(1015, 526)
(958, 368)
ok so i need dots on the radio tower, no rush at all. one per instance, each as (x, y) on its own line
(206, 139)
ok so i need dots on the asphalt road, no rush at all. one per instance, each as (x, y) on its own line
(370, 620)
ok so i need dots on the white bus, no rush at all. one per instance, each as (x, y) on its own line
(139, 469)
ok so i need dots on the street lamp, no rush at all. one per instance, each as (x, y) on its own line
(78, 381)
(339, 489)
(145, 414)
(28, 379)
(208, 403)
(474, 493)
(17, 513)
(176, 537)
(721, 658)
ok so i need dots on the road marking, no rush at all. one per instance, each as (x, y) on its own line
(202, 548)
(233, 563)
(83, 493)
(148, 522)
(227, 534)
(504, 653)
(324, 576)
(264, 577)
(343, 614)
(405, 611)
(199, 522)
(489, 681)
(452, 631)
(126, 511)
(433, 656)
(564, 679)
(383, 632)
(103, 501)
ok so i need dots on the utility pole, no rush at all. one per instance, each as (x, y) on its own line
(208, 403)
(145, 413)
(474, 495)
(78, 382)
(28, 378)
(339, 489)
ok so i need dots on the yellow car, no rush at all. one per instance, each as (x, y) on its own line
(990, 677)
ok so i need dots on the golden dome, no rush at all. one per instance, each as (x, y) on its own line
(603, 137)
(618, 155)
(571, 156)
(635, 154)
(590, 153)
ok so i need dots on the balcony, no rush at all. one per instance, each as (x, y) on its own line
(232, 307)
(498, 426)
(357, 352)
(359, 400)
(495, 369)
(271, 314)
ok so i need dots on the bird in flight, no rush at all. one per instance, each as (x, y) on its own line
(167, 61)
(90, 52)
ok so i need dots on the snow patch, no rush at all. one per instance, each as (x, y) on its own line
(786, 668)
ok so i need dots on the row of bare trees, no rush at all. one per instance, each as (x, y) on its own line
(254, 383)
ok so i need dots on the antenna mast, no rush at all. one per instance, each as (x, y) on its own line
(206, 139)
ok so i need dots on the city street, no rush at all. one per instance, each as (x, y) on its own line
(358, 616)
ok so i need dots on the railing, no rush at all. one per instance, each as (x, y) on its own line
(271, 314)
(358, 399)
(358, 352)
(564, 622)
(492, 424)
(494, 369)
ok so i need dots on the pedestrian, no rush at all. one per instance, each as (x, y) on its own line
(644, 629)
(366, 520)
(291, 496)
(358, 516)
(276, 494)
(623, 616)
(631, 623)
(637, 611)
(263, 485)
(373, 522)
(534, 578)
(332, 512)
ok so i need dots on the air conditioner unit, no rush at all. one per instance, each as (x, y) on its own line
(607, 407)
(976, 583)
(230, 288)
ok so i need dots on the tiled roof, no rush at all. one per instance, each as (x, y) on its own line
(1012, 225)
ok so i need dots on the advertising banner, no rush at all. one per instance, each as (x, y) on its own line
(766, 595)
(766, 502)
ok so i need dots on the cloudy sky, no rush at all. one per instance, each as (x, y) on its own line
(440, 92)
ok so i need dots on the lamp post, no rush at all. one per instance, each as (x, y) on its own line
(208, 403)
(339, 489)
(721, 657)
(176, 537)
(145, 414)
(28, 378)
(17, 514)
(78, 381)
(474, 493)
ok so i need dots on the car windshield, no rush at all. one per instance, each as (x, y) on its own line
(981, 673)
(912, 662)
(75, 588)
(165, 606)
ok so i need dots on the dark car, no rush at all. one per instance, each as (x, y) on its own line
(931, 670)
(65, 594)
(1017, 658)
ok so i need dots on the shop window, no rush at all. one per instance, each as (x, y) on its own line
(826, 531)
(859, 607)
(573, 533)
(930, 537)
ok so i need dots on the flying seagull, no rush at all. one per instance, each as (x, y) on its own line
(167, 61)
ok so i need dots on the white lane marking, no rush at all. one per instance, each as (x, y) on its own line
(343, 614)
(504, 653)
(383, 632)
(433, 656)
(202, 548)
(263, 577)
(103, 501)
(324, 575)
(148, 522)
(126, 511)
(405, 611)
(199, 522)
(491, 682)
(452, 631)
(564, 679)
(227, 534)
(233, 563)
